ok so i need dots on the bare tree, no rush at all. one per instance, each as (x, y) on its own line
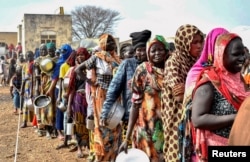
(92, 21)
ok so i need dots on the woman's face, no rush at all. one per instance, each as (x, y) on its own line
(51, 52)
(157, 53)
(234, 56)
(80, 58)
(196, 45)
(30, 57)
(140, 53)
(43, 51)
(110, 44)
(128, 52)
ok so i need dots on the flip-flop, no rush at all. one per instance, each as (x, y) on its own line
(73, 149)
(61, 146)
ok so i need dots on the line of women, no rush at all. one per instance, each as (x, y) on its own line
(199, 83)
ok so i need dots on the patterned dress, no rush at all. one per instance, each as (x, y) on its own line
(27, 72)
(221, 107)
(105, 141)
(47, 115)
(175, 73)
(148, 130)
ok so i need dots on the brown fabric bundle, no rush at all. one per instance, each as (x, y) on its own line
(240, 131)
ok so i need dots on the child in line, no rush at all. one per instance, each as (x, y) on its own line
(15, 87)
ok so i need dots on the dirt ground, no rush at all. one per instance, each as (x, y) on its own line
(31, 148)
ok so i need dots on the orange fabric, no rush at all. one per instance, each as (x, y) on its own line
(98, 95)
(239, 134)
(210, 75)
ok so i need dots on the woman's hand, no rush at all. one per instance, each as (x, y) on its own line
(58, 101)
(123, 147)
(103, 122)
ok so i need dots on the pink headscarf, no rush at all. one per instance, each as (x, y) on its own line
(206, 57)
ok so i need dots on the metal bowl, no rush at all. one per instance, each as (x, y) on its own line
(62, 106)
(66, 83)
(115, 115)
(29, 104)
(47, 65)
(42, 101)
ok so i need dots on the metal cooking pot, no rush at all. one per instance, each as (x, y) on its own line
(66, 83)
(42, 102)
(115, 115)
(47, 64)
(62, 107)
(29, 104)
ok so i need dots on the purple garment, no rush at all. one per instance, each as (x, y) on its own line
(79, 104)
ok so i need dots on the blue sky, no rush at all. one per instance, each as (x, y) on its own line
(160, 16)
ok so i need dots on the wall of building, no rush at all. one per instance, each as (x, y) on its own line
(35, 25)
(8, 37)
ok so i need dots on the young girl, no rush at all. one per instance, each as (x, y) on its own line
(15, 86)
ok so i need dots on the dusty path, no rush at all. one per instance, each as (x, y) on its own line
(31, 148)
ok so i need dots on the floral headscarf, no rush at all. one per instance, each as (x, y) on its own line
(229, 85)
(110, 56)
(103, 41)
(158, 39)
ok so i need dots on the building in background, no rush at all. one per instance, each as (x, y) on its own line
(8, 37)
(43, 28)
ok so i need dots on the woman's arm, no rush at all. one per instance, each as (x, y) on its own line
(202, 105)
(51, 89)
(69, 110)
(133, 116)
(37, 79)
(59, 97)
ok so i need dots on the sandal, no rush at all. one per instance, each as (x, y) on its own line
(73, 149)
(61, 146)
(48, 136)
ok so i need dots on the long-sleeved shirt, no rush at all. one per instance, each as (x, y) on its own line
(119, 85)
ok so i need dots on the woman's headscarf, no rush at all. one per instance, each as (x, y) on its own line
(182, 58)
(84, 51)
(158, 39)
(155, 72)
(103, 41)
(51, 45)
(67, 50)
(184, 37)
(228, 84)
(103, 45)
(71, 60)
(11, 47)
(206, 59)
(72, 80)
